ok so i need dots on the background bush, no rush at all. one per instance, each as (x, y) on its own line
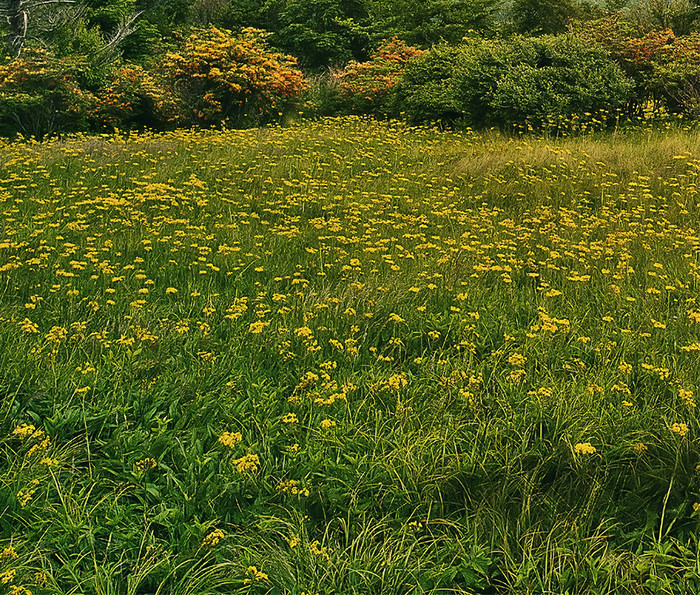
(517, 81)
(40, 94)
(134, 98)
(220, 76)
(367, 87)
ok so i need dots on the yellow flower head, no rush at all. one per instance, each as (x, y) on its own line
(680, 428)
(247, 464)
(230, 439)
(213, 538)
(584, 448)
(146, 464)
(24, 431)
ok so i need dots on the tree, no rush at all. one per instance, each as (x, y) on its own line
(543, 17)
(27, 18)
(319, 32)
(678, 15)
(42, 20)
(433, 21)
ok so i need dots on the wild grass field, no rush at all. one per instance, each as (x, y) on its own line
(349, 357)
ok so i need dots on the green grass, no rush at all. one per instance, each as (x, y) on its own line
(457, 362)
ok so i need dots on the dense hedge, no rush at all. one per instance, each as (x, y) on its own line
(520, 81)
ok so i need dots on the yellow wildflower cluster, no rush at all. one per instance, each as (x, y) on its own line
(230, 439)
(146, 464)
(584, 448)
(24, 431)
(213, 538)
(396, 382)
(25, 496)
(253, 574)
(680, 428)
(316, 549)
(247, 464)
(291, 486)
(27, 432)
(687, 397)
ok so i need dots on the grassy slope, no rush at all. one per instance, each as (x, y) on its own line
(455, 362)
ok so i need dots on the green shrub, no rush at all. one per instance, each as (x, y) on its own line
(134, 98)
(521, 81)
(552, 78)
(426, 90)
(40, 95)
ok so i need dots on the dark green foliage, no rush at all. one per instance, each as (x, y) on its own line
(543, 16)
(426, 90)
(433, 21)
(318, 32)
(41, 95)
(523, 80)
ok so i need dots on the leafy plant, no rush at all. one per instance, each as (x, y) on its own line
(368, 86)
(134, 98)
(40, 94)
(222, 77)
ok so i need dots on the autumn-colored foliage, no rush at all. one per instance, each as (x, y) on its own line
(220, 76)
(136, 98)
(368, 85)
(40, 94)
(664, 67)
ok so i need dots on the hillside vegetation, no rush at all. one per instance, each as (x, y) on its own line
(556, 65)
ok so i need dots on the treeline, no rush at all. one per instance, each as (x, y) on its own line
(96, 65)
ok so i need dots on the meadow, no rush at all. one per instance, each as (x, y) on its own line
(350, 356)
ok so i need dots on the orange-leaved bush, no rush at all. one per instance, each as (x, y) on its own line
(136, 98)
(40, 94)
(369, 85)
(221, 76)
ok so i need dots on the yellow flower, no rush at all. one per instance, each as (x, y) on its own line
(257, 327)
(625, 368)
(170, 290)
(517, 359)
(687, 397)
(146, 464)
(24, 431)
(290, 418)
(8, 553)
(28, 326)
(584, 448)
(213, 538)
(247, 464)
(397, 382)
(680, 428)
(327, 424)
(230, 439)
(255, 575)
